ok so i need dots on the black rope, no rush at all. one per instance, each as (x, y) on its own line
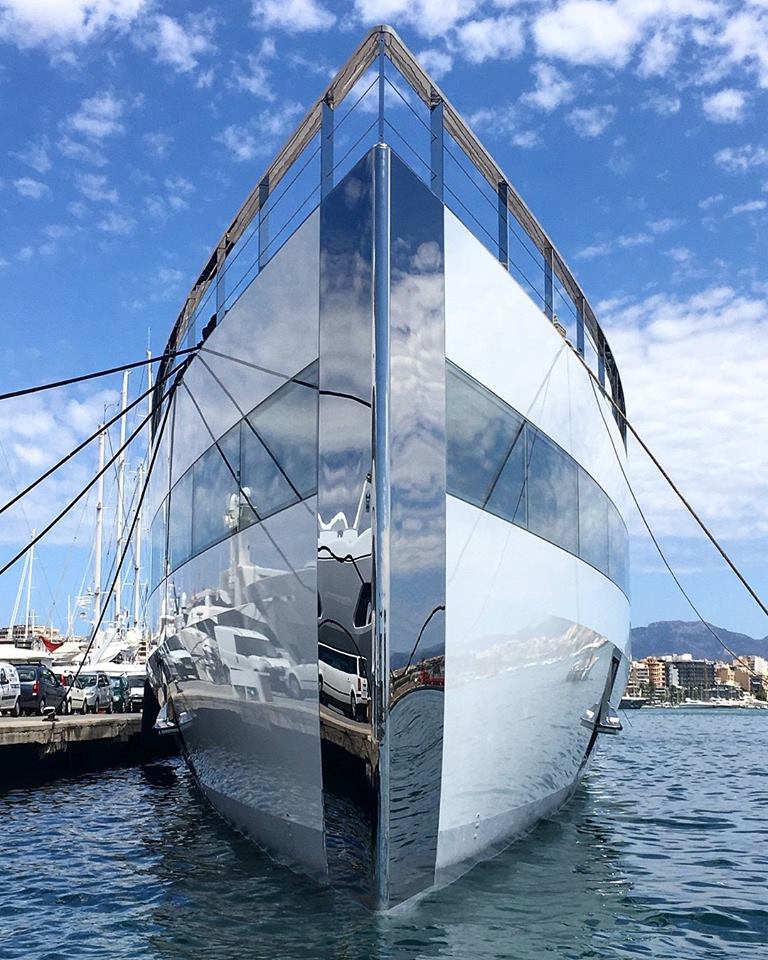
(85, 489)
(707, 532)
(85, 443)
(92, 376)
(656, 544)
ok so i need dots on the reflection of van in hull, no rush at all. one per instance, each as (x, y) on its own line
(344, 680)
(252, 656)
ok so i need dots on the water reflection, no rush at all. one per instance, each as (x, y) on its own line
(559, 892)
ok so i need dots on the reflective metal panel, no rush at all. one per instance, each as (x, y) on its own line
(413, 736)
(349, 752)
(241, 676)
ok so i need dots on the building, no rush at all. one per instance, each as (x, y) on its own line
(657, 674)
(694, 675)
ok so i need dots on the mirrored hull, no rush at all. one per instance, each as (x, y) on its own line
(389, 565)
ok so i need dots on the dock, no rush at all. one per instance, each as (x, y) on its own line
(37, 749)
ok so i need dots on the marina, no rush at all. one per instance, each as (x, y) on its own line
(381, 482)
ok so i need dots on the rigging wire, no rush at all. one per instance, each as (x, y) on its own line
(92, 376)
(656, 543)
(104, 427)
(85, 489)
(707, 532)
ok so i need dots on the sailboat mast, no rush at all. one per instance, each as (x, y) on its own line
(99, 534)
(29, 588)
(121, 499)
(137, 556)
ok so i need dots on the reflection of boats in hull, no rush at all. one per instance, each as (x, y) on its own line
(390, 598)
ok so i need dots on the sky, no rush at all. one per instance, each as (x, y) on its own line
(132, 130)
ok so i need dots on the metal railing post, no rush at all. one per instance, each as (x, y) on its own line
(436, 151)
(263, 225)
(502, 192)
(381, 87)
(549, 290)
(220, 288)
(326, 149)
(580, 324)
(601, 364)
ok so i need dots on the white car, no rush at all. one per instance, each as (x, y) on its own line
(75, 701)
(10, 690)
(344, 680)
(97, 691)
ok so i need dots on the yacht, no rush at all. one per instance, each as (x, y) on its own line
(389, 575)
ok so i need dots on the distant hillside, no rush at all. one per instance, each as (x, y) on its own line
(682, 636)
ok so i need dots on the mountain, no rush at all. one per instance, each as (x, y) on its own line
(682, 636)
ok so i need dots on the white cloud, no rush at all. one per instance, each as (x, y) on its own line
(552, 89)
(592, 251)
(586, 32)
(258, 138)
(36, 155)
(691, 373)
(635, 240)
(293, 16)
(679, 254)
(591, 121)
(175, 198)
(709, 202)
(741, 159)
(429, 18)
(95, 187)
(28, 187)
(660, 53)
(180, 45)
(29, 23)
(241, 142)
(74, 150)
(725, 106)
(26, 253)
(157, 143)
(664, 225)
(117, 223)
(437, 63)
(743, 37)
(491, 39)
(663, 104)
(255, 78)
(97, 117)
(752, 206)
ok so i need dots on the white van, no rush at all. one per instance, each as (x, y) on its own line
(10, 690)
(344, 679)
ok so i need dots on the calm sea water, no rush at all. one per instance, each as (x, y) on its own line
(662, 853)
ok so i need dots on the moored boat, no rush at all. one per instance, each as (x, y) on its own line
(389, 563)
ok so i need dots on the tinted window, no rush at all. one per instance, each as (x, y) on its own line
(481, 431)
(552, 492)
(215, 491)
(157, 547)
(253, 647)
(286, 423)
(618, 544)
(507, 498)
(593, 522)
(27, 673)
(180, 522)
(266, 489)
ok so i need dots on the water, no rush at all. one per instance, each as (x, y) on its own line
(661, 854)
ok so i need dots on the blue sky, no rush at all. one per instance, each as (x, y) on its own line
(635, 129)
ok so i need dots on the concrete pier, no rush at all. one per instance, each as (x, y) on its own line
(37, 749)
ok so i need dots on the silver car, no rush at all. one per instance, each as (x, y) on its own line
(97, 690)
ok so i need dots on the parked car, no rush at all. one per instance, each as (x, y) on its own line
(75, 697)
(97, 690)
(39, 688)
(135, 698)
(119, 693)
(343, 678)
(10, 690)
